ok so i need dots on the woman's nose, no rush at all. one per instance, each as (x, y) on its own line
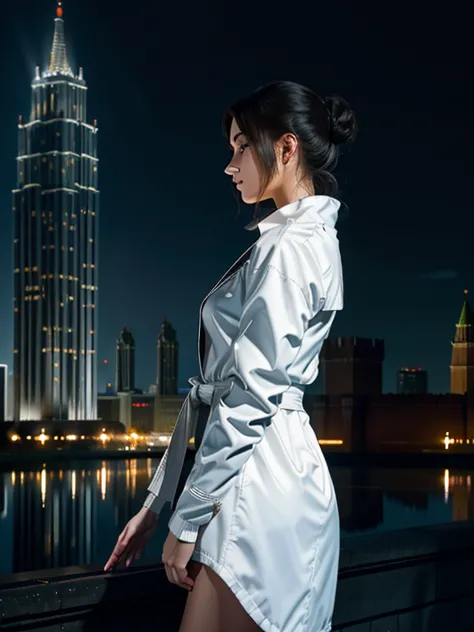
(230, 170)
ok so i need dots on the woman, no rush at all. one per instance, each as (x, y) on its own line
(257, 523)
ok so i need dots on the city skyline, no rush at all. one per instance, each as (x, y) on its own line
(159, 99)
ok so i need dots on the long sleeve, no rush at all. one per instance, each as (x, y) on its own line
(273, 322)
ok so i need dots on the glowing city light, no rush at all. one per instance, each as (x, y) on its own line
(42, 437)
(447, 441)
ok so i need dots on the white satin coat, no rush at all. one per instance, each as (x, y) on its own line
(259, 500)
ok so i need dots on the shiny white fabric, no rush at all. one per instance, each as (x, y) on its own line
(259, 500)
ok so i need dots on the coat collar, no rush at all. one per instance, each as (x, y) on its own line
(313, 208)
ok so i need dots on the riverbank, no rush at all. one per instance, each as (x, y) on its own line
(442, 459)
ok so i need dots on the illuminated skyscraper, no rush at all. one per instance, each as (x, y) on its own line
(55, 208)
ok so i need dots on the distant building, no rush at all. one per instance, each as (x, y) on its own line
(167, 361)
(115, 407)
(166, 411)
(55, 220)
(3, 392)
(462, 360)
(143, 412)
(109, 389)
(352, 365)
(412, 382)
(365, 420)
(125, 363)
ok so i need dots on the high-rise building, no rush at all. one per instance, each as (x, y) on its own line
(462, 357)
(3, 392)
(55, 208)
(411, 381)
(167, 361)
(125, 363)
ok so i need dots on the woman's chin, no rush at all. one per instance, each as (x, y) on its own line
(247, 199)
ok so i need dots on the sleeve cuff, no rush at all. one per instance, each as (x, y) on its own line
(182, 529)
(153, 502)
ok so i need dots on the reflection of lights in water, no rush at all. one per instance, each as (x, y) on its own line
(446, 486)
(22, 478)
(73, 484)
(43, 487)
(103, 482)
(148, 468)
(133, 473)
(468, 481)
(13, 477)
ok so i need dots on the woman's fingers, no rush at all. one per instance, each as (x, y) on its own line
(117, 552)
(177, 575)
(123, 552)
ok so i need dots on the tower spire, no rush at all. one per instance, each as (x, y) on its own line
(58, 63)
(464, 332)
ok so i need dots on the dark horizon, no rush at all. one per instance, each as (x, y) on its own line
(168, 229)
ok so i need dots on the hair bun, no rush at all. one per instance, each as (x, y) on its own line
(343, 121)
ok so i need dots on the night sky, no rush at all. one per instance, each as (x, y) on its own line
(160, 75)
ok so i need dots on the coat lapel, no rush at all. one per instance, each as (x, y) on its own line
(230, 272)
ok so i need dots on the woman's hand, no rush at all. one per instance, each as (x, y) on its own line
(133, 539)
(176, 558)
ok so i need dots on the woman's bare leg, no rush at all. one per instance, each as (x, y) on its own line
(212, 607)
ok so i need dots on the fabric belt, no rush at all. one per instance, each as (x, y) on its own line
(164, 483)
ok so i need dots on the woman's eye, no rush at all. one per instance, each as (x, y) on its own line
(243, 147)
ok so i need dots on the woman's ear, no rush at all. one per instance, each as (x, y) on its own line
(288, 145)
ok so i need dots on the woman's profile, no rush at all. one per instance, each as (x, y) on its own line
(254, 535)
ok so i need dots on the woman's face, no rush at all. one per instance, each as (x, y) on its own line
(243, 166)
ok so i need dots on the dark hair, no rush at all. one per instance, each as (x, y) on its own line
(320, 125)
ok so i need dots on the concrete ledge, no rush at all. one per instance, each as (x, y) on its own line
(415, 580)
